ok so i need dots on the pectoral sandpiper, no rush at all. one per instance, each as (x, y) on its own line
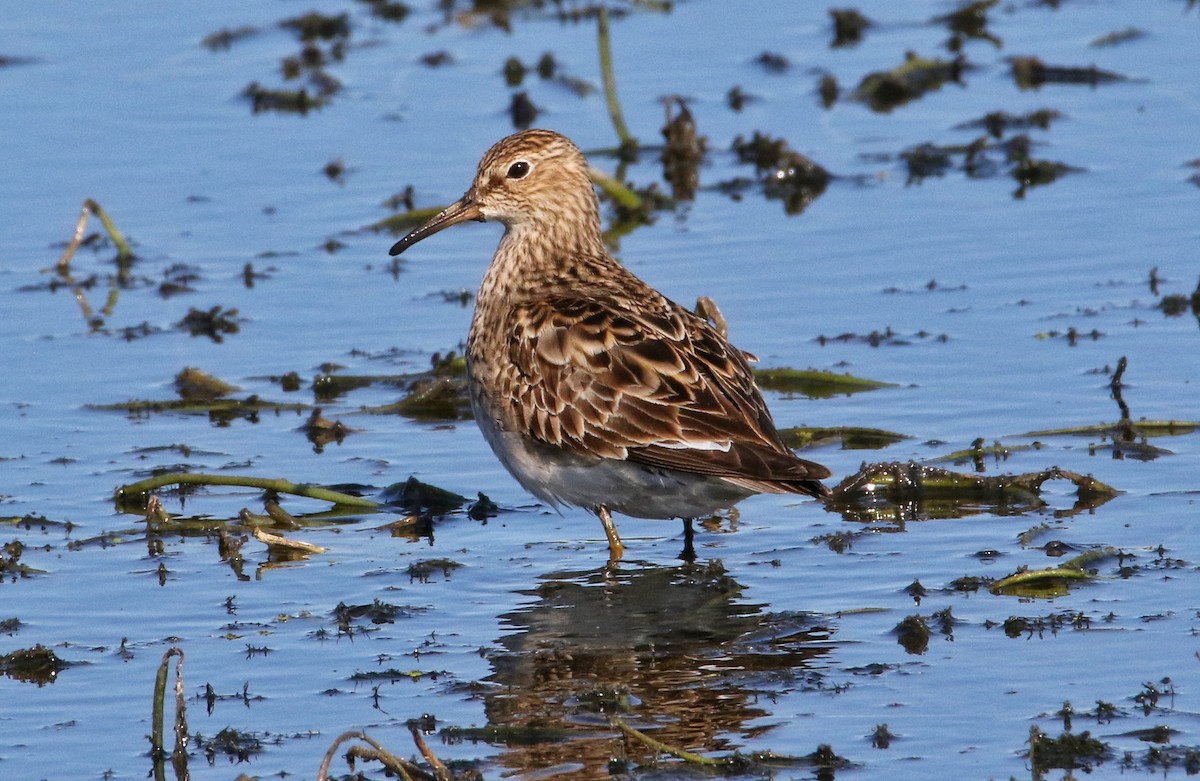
(593, 388)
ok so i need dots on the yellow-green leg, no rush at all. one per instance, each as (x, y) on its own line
(615, 549)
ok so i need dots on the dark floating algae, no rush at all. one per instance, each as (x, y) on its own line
(522, 110)
(284, 101)
(223, 40)
(377, 613)
(985, 159)
(882, 737)
(1069, 751)
(215, 323)
(887, 337)
(506, 735)
(913, 633)
(393, 674)
(7, 60)
(828, 89)
(886, 90)
(415, 496)
(38, 665)
(431, 399)
(683, 152)
(11, 566)
(1072, 750)
(1177, 304)
(321, 431)
(773, 62)
(388, 10)
(969, 21)
(848, 27)
(547, 69)
(815, 383)
(421, 571)
(1029, 627)
(1032, 73)
(737, 98)
(195, 385)
(328, 386)
(1194, 179)
(998, 123)
(220, 411)
(783, 173)
(233, 744)
(324, 40)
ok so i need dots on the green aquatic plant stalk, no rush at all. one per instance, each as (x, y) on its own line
(157, 751)
(615, 189)
(278, 485)
(158, 707)
(124, 253)
(678, 753)
(610, 81)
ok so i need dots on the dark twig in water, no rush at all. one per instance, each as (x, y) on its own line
(439, 768)
(401, 767)
(1115, 386)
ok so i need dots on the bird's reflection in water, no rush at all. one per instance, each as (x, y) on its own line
(672, 650)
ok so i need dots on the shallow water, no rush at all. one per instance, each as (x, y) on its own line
(778, 640)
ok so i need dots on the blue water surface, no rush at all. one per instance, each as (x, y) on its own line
(126, 105)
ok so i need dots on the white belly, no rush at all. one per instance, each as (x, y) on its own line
(559, 477)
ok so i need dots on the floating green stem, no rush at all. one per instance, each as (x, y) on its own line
(657, 745)
(1051, 581)
(278, 485)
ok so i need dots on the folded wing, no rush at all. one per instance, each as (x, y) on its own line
(660, 387)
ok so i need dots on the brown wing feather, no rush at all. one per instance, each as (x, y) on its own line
(659, 387)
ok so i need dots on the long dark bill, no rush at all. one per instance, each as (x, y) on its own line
(461, 210)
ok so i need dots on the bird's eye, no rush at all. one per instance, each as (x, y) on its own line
(518, 170)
